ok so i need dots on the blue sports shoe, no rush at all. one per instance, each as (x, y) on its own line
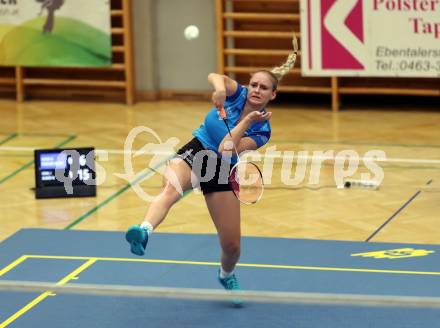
(231, 284)
(138, 239)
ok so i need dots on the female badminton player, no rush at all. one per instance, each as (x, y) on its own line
(248, 120)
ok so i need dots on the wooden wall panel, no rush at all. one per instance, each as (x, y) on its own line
(256, 34)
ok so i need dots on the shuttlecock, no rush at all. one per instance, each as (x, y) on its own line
(191, 32)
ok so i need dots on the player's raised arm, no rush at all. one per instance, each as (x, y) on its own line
(223, 86)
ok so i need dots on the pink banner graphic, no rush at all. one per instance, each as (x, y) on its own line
(370, 37)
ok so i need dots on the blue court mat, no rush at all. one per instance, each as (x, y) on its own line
(184, 260)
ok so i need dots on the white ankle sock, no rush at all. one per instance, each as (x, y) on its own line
(224, 274)
(147, 225)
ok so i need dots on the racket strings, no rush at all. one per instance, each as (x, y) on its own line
(247, 182)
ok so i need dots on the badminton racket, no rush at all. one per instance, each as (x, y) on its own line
(245, 177)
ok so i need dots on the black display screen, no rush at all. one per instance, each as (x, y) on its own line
(65, 172)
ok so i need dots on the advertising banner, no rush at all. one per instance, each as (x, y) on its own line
(388, 38)
(55, 33)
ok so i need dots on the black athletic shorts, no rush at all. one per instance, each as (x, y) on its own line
(198, 159)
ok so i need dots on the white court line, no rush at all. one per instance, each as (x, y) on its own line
(269, 156)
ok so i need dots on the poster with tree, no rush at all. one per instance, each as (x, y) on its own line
(57, 33)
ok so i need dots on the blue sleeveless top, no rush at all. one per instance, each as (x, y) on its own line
(213, 130)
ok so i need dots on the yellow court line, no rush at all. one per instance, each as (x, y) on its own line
(91, 260)
(46, 294)
(249, 265)
(12, 265)
(26, 308)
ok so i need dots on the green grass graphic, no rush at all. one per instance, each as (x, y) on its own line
(71, 43)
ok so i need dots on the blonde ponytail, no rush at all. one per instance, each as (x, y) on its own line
(282, 70)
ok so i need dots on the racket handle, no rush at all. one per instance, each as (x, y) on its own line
(222, 113)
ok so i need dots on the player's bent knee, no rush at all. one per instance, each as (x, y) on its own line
(170, 194)
(231, 248)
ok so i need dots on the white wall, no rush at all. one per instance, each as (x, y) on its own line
(164, 59)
